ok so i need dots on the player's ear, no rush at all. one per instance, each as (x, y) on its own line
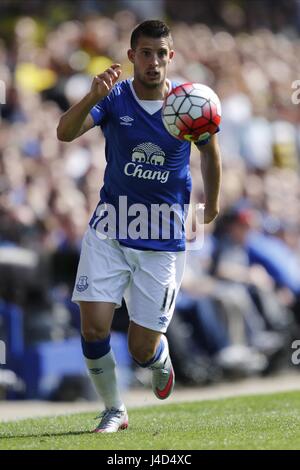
(130, 55)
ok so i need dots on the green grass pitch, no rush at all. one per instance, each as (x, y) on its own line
(248, 422)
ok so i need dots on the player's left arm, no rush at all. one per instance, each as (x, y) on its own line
(211, 169)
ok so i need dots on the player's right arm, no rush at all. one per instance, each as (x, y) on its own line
(77, 120)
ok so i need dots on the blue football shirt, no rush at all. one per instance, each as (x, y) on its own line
(145, 165)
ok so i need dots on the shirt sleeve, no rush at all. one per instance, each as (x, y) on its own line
(99, 112)
(205, 141)
(202, 142)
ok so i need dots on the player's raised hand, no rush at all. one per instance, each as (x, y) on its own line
(103, 83)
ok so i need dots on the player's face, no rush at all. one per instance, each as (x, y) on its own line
(150, 59)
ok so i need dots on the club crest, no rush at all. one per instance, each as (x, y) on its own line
(82, 284)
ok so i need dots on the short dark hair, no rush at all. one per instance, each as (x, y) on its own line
(150, 29)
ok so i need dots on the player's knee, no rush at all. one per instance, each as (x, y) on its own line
(91, 333)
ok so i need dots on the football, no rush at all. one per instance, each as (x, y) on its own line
(191, 111)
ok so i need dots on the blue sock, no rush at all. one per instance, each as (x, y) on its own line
(156, 356)
(95, 349)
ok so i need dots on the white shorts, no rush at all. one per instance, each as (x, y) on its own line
(148, 280)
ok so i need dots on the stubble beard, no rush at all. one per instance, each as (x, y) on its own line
(149, 85)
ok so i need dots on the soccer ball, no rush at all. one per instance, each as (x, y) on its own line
(191, 111)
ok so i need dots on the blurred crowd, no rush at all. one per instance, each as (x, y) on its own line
(250, 263)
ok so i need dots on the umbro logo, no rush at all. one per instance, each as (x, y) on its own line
(163, 320)
(96, 371)
(126, 120)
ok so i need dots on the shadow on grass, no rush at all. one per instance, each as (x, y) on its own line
(46, 434)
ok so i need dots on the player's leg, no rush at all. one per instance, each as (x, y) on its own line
(150, 349)
(150, 302)
(102, 276)
(142, 342)
(96, 319)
